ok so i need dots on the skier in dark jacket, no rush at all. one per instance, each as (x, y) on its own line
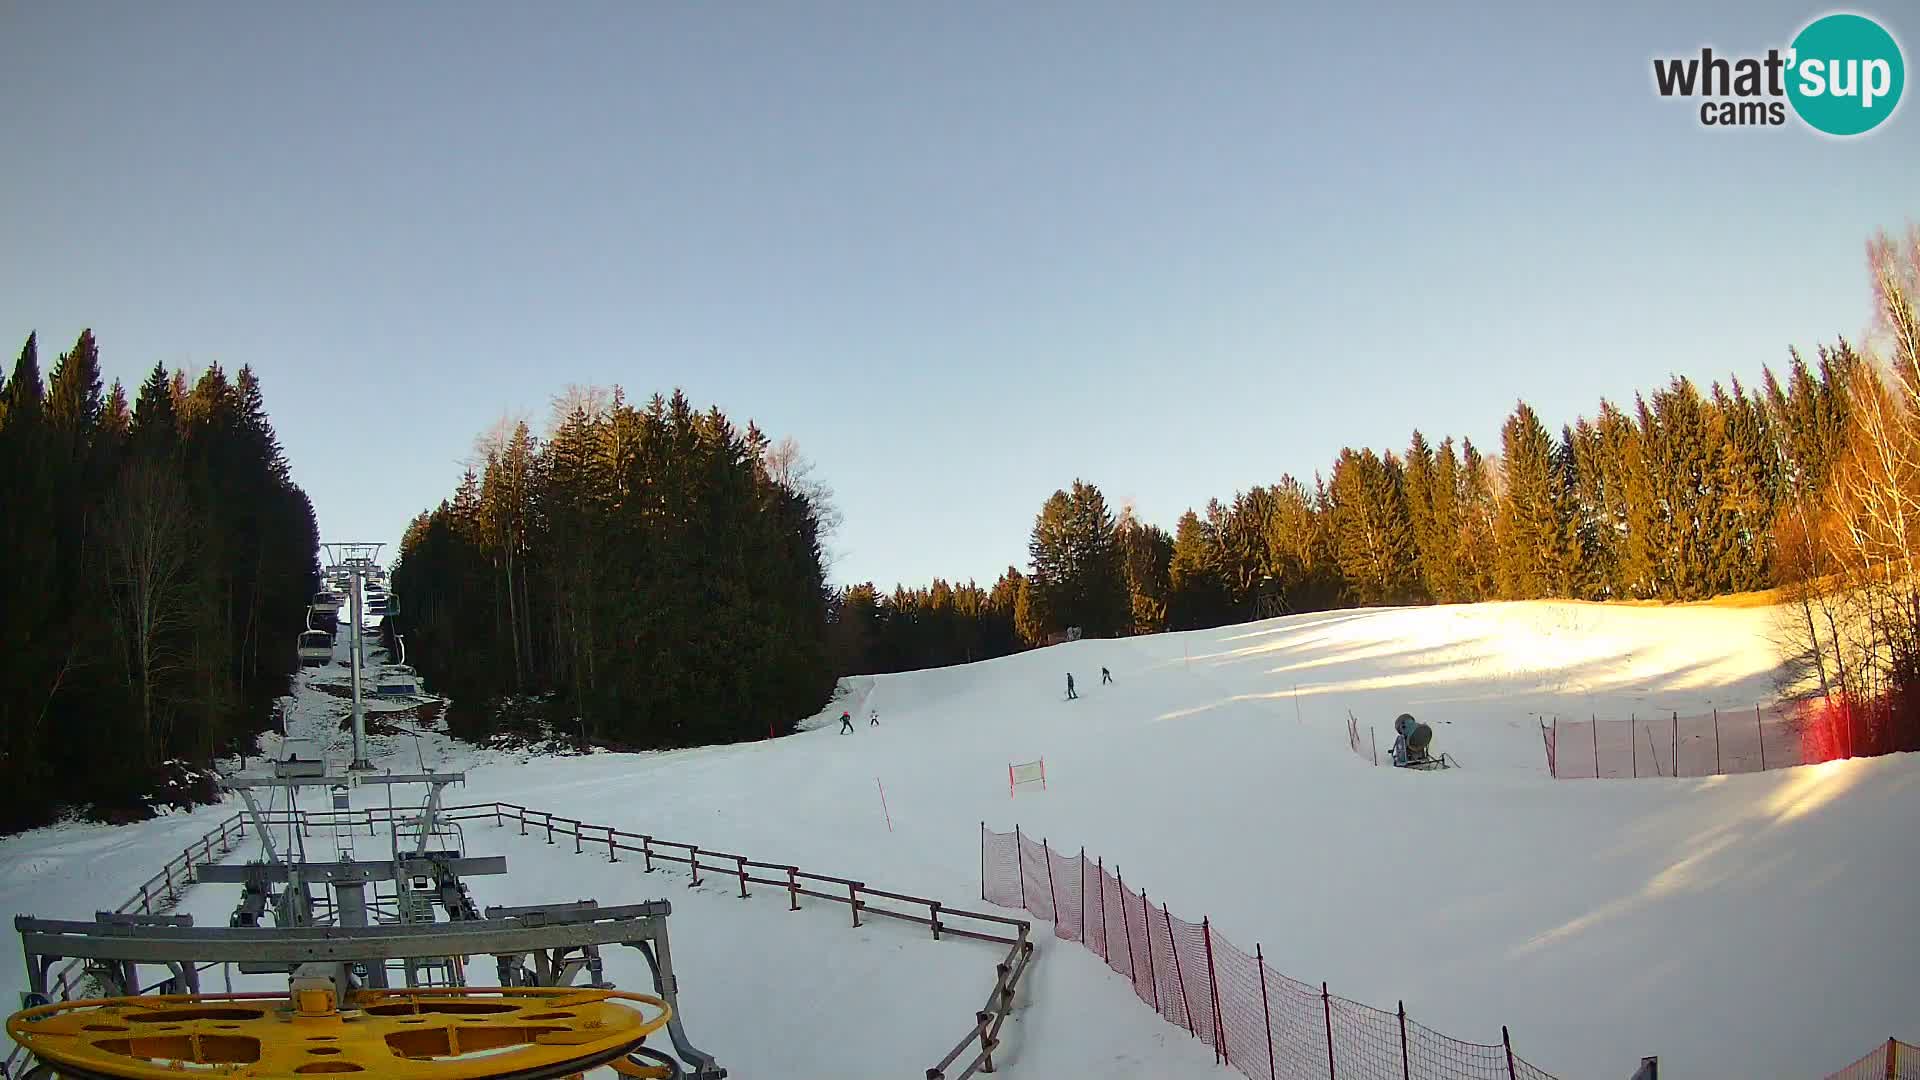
(873, 718)
(1070, 694)
(846, 723)
(1105, 676)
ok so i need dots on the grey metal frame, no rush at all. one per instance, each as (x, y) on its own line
(116, 945)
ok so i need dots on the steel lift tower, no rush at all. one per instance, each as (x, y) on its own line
(356, 559)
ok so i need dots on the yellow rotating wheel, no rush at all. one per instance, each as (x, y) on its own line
(458, 1033)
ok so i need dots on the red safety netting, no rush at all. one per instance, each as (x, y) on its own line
(1261, 1022)
(1708, 744)
(1891, 1060)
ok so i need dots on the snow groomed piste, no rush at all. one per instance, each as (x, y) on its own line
(1742, 925)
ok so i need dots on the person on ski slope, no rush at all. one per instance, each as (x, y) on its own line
(846, 723)
(1105, 676)
(1070, 694)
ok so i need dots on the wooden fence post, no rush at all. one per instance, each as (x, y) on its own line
(793, 889)
(693, 861)
(646, 852)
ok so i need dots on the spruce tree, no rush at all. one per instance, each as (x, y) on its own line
(1372, 529)
(1198, 592)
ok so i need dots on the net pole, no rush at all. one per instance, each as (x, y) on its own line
(1717, 767)
(1180, 978)
(1762, 735)
(1326, 1009)
(1506, 1041)
(1146, 925)
(1053, 897)
(1213, 982)
(1083, 894)
(1266, 1011)
(1593, 723)
(1020, 865)
(1106, 939)
(1126, 927)
(1406, 1069)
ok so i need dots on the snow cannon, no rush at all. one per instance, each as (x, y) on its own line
(1413, 748)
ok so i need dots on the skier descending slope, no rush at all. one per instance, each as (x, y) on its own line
(846, 723)
(1070, 694)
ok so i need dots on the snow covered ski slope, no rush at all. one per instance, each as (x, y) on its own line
(1743, 926)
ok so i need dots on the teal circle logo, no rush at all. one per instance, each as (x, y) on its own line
(1846, 74)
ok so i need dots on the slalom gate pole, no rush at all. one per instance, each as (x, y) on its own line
(1593, 722)
(1106, 939)
(983, 860)
(1762, 734)
(1126, 927)
(883, 803)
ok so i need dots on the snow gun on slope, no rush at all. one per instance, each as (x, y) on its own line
(1413, 746)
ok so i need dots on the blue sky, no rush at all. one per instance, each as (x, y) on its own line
(962, 253)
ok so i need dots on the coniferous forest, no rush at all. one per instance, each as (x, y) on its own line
(158, 560)
(1682, 493)
(1675, 496)
(652, 573)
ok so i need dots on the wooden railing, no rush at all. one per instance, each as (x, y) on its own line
(158, 894)
(943, 921)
